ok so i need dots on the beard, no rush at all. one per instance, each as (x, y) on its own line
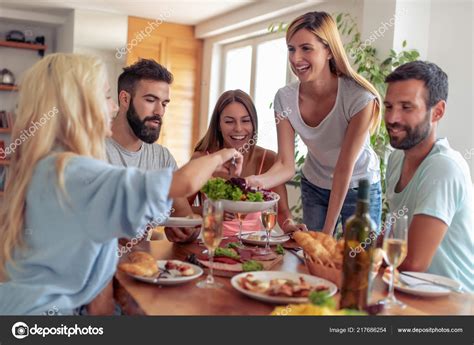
(413, 136)
(139, 127)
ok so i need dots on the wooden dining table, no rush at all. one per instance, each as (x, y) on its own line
(137, 297)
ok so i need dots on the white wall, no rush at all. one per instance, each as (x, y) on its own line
(451, 47)
(413, 25)
(442, 31)
(104, 42)
(377, 25)
(65, 35)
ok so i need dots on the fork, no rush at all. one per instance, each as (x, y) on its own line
(233, 163)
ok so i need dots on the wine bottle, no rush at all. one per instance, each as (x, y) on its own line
(359, 236)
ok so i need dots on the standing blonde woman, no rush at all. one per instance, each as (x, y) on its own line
(64, 206)
(334, 110)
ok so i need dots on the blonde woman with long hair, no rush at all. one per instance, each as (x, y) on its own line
(64, 206)
(334, 110)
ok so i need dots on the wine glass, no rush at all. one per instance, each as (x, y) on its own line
(394, 252)
(269, 218)
(212, 217)
(240, 217)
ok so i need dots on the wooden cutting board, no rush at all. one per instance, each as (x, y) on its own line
(267, 265)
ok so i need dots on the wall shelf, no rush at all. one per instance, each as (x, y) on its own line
(8, 87)
(22, 45)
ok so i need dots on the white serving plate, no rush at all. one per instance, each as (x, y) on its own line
(269, 275)
(170, 280)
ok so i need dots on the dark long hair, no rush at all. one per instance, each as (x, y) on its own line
(213, 140)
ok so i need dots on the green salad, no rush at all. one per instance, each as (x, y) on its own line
(235, 189)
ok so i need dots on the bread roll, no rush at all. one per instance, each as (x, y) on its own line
(311, 246)
(140, 264)
(327, 241)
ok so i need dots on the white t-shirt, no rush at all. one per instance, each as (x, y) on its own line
(324, 141)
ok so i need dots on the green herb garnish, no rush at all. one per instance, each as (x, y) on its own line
(279, 249)
(229, 252)
(234, 245)
(252, 265)
(322, 299)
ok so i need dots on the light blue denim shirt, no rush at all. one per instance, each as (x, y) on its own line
(71, 241)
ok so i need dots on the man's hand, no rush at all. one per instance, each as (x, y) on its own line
(182, 235)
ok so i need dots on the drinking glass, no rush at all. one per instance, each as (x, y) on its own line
(240, 217)
(269, 218)
(394, 252)
(212, 217)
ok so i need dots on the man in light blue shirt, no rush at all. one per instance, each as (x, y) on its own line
(427, 177)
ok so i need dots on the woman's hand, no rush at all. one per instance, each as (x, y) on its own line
(254, 181)
(232, 161)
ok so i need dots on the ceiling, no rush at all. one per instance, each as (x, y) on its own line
(190, 12)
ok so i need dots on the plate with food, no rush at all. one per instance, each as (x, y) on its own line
(142, 266)
(280, 287)
(183, 222)
(259, 238)
(238, 197)
(422, 284)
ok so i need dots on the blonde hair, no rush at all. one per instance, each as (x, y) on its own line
(322, 25)
(68, 91)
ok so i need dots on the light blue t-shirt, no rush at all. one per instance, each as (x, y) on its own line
(441, 187)
(71, 243)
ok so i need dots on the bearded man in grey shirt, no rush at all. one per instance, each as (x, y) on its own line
(143, 94)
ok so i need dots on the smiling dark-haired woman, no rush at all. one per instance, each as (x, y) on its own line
(234, 124)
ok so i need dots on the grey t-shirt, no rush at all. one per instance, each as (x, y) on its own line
(149, 157)
(325, 140)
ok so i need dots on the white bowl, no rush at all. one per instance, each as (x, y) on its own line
(249, 206)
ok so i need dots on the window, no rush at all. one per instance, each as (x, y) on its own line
(237, 75)
(270, 75)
